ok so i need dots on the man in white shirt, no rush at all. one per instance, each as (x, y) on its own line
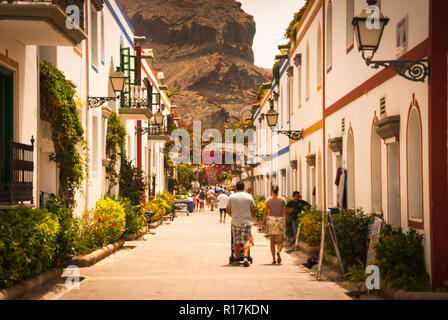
(241, 208)
(223, 199)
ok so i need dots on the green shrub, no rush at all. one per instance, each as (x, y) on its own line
(85, 241)
(109, 221)
(27, 243)
(311, 227)
(260, 204)
(132, 182)
(67, 232)
(160, 207)
(401, 259)
(351, 234)
(135, 216)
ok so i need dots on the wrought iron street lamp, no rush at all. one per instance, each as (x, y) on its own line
(272, 119)
(117, 80)
(369, 29)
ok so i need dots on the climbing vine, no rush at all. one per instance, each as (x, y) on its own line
(115, 136)
(59, 109)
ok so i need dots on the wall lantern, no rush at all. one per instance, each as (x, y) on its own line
(369, 28)
(158, 117)
(117, 80)
(272, 116)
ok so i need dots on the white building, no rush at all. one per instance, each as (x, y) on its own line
(31, 32)
(383, 130)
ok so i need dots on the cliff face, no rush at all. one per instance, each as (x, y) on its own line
(204, 48)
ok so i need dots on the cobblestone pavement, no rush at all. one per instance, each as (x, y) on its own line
(188, 259)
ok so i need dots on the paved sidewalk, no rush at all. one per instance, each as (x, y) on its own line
(188, 259)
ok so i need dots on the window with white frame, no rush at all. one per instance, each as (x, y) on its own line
(329, 35)
(299, 78)
(103, 41)
(307, 72)
(319, 58)
(94, 144)
(350, 30)
(94, 35)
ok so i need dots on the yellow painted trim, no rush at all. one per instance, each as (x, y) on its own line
(307, 26)
(307, 99)
(300, 106)
(15, 65)
(265, 98)
(79, 53)
(319, 87)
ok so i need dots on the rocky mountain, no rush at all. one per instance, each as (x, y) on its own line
(204, 48)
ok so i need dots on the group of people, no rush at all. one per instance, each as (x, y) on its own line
(241, 207)
(213, 197)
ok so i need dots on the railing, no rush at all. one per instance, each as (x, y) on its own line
(153, 130)
(17, 168)
(63, 4)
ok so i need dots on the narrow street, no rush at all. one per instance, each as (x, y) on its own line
(188, 259)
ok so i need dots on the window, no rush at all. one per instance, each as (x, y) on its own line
(376, 171)
(291, 96)
(319, 58)
(299, 78)
(329, 36)
(94, 144)
(94, 35)
(350, 31)
(350, 171)
(319, 194)
(414, 167)
(330, 181)
(307, 72)
(103, 42)
(300, 176)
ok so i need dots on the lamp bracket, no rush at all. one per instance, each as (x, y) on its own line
(292, 134)
(414, 70)
(95, 102)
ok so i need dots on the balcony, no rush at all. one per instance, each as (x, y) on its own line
(135, 104)
(158, 133)
(42, 22)
(135, 109)
(16, 169)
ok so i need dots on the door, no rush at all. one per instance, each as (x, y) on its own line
(6, 122)
(394, 184)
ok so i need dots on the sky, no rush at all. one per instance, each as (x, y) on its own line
(272, 17)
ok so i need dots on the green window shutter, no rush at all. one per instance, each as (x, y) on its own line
(128, 65)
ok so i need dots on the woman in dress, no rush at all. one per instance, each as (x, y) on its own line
(275, 212)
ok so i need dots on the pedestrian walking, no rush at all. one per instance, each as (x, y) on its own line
(211, 199)
(275, 212)
(190, 204)
(195, 202)
(241, 208)
(294, 208)
(223, 200)
(202, 200)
